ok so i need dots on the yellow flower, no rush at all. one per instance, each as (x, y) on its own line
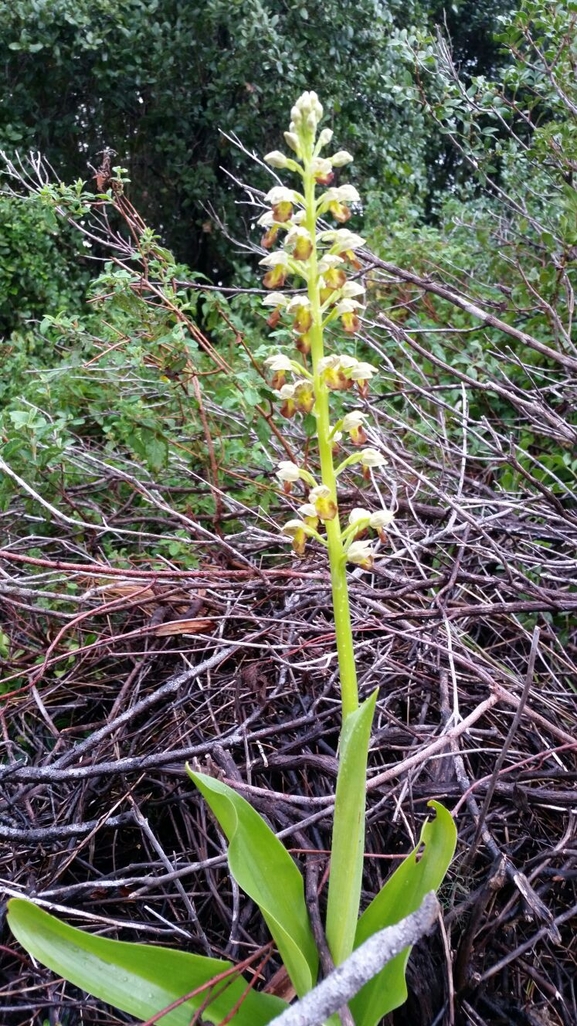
(300, 309)
(279, 269)
(295, 529)
(304, 396)
(353, 423)
(322, 500)
(309, 514)
(282, 201)
(337, 201)
(361, 553)
(346, 309)
(300, 243)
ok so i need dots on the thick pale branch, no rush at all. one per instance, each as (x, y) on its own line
(364, 963)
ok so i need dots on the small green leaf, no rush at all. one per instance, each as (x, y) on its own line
(349, 832)
(261, 865)
(422, 871)
(140, 979)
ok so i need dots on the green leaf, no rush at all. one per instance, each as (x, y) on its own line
(261, 865)
(349, 832)
(140, 979)
(422, 871)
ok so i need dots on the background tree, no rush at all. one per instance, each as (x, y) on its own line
(156, 80)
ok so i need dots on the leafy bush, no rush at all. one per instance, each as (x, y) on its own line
(41, 267)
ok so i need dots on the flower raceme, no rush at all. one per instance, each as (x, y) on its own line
(322, 266)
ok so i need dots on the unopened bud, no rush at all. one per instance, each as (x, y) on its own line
(276, 159)
(340, 158)
(325, 137)
(292, 139)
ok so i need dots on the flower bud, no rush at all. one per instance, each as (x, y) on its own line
(325, 138)
(381, 519)
(287, 474)
(275, 299)
(359, 518)
(278, 361)
(308, 511)
(340, 158)
(288, 471)
(276, 159)
(346, 194)
(352, 289)
(292, 140)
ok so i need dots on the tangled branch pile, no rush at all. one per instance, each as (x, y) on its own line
(117, 674)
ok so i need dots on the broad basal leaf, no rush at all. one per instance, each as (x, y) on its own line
(261, 865)
(422, 871)
(140, 979)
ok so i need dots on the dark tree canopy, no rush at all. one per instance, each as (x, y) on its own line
(158, 80)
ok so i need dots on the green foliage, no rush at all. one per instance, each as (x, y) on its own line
(119, 378)
(41, 269)
(422, 871)
(156, 80)
(140, 979)
(261, 865)
(505, 238)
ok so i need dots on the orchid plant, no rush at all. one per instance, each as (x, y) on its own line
(169, 986)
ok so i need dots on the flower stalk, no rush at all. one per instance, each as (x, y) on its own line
(322, 259)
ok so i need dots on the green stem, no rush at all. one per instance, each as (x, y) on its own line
(337, 558)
